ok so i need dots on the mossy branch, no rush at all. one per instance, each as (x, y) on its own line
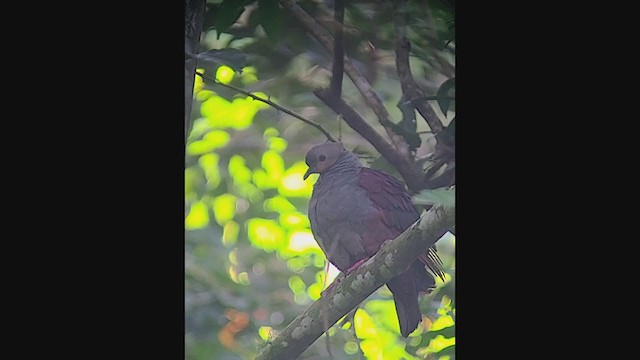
(393, 258)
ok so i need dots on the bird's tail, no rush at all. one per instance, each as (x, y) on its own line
(405, 289)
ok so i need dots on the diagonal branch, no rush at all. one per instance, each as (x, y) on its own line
(271, 103)
(370, 96)
(410, 88)
(411, 175)
(392, 259)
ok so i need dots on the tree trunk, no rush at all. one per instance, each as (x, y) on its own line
(193, 22)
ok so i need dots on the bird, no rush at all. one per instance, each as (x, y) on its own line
(353, 210)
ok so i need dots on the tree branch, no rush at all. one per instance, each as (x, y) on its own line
(271, 103)
(410, 88)
(193, 22)
(411, 175)
(338, 50)
(392, 259)
(370, 96)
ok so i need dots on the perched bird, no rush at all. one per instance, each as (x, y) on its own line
(353, 210)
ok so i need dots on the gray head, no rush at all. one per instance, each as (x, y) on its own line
(321, 157)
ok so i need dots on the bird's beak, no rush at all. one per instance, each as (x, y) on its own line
(310, 171)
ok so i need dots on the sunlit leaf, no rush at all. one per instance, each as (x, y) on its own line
(209, 164)
(266, 234)
(447, 332)
(365, 327)
(199, 128)
(277, 144)
(384, 313)
(203, 95)
(265, 332)
(293, 185)
(445, 302)
(439, 343)
(319, 260)
(249, 75)
(260, 105)
(278, 204)
(371, 348)
(298, 264)
(442, 322)
(270, 132)
(242, 112)
(294, 219)
(217, 110)
(296, 284)
(224, 74)
(301, 241)
(237, 114)
(249, 191)
(273, 163)
(262, 180)
(198, 83)
(224, 208)
(238, 169)
(198, 216)
(211, 141)
(192, 178)
(233, 273)
(230, 233)
(314, 291)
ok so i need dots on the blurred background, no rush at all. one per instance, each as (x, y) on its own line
(251, 262)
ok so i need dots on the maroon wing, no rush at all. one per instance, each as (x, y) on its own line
(395, 213)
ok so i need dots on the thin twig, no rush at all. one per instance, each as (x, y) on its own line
(362, 84)
(271, 103)
(443, 97)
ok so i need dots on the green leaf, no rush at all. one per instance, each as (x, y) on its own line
(441, 196)
(227, 14)
(407, 126)
(408, 121)
(447, 332)
(443, 92)
(270, 17)
(210, 60)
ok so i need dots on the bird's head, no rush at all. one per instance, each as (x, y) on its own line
(321, 157)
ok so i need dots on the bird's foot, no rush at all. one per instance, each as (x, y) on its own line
(342, 276)
(332, 286)
(353, 267)
(328, 290)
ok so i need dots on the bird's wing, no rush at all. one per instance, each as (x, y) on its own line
(395, 213)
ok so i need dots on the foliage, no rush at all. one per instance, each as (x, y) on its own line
(446, 197)
(252, 264)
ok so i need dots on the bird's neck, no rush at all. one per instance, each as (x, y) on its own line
(347, 164)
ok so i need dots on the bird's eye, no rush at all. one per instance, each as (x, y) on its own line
(322, 157)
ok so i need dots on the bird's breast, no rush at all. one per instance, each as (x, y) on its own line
(337, 205)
